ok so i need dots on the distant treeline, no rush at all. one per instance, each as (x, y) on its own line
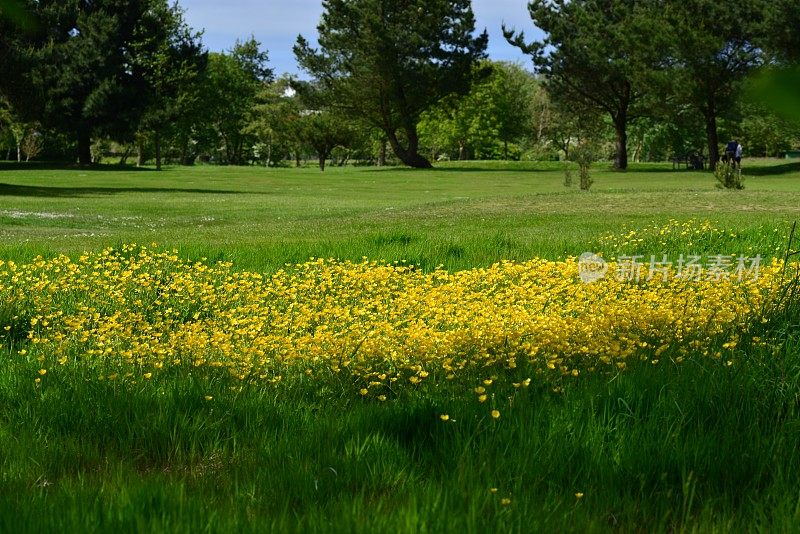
(399, 82)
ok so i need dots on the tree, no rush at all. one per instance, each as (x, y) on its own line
(497, 111)
(762, 133)
(323, 131)
(712, 59)
(171, 58)
(598, 55)
(387, 61)
(85, 77)
(317, 125)
(468, 124)
(276, 110)
(229, 94)
(86, 69)
(516, 92)
(13, 127)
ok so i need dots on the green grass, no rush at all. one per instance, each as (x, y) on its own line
(693, 447)
(460, 215)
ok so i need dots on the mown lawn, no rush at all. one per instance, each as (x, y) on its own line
(461, 215)
(699, 445)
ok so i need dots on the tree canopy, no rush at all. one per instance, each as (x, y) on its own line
(599, 55)
(387, 62)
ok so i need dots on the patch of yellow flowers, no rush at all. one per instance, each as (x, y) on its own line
(686, 235)
(137, 312)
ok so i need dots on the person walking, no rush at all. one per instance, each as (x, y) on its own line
(730, 152)
(738, 155)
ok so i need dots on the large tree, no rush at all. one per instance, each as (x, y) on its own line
(229, 92)
(598, 55)
(387, 61)
(171, 59)
(714, 48)
(89, 78)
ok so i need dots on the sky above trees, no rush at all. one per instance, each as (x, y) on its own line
(277, 23)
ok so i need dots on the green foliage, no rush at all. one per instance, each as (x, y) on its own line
(387, 62)
(101, 68)
(229, 96)
(171, 59)
(598, 55)
(777, 89)
(711, 60)
(273, 122)
(567, 176)
(584, 154)
(323, 131)
(729, 176)
(779, 33)
(497, 112)
(17, 14)
(765, 133)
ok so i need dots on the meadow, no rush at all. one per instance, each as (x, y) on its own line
(388, 350)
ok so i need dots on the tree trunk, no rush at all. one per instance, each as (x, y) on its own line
(124, 159)
(505, 150)
(409, 156)
(19, 152)
(713, 139)
(621, 157)
(84, 146)
(323, 156)
(382, 154)
(139, 153)
(297, 158)
(158, 151)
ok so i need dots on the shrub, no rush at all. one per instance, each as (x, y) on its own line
(728, 176)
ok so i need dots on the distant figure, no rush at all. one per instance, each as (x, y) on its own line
(730, 151)
(738, 156)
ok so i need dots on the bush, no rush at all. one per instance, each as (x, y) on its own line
(728, 176)
(584, 154)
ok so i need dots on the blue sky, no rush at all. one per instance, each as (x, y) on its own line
(276, 23)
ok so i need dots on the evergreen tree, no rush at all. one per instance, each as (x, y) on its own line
(387, 61)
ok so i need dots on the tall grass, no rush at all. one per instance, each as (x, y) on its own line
(701, 446)
(692, 446)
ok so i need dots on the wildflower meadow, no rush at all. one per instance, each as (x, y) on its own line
(639, 373)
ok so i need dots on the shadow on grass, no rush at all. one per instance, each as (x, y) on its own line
(71, 192)
(54, 166)
(775, 170)
(513, 168)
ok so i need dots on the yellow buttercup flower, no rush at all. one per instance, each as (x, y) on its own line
(387, 330)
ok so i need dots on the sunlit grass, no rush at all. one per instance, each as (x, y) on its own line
(706, 439)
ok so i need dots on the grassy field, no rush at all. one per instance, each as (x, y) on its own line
(692, 444)
(460, 215)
